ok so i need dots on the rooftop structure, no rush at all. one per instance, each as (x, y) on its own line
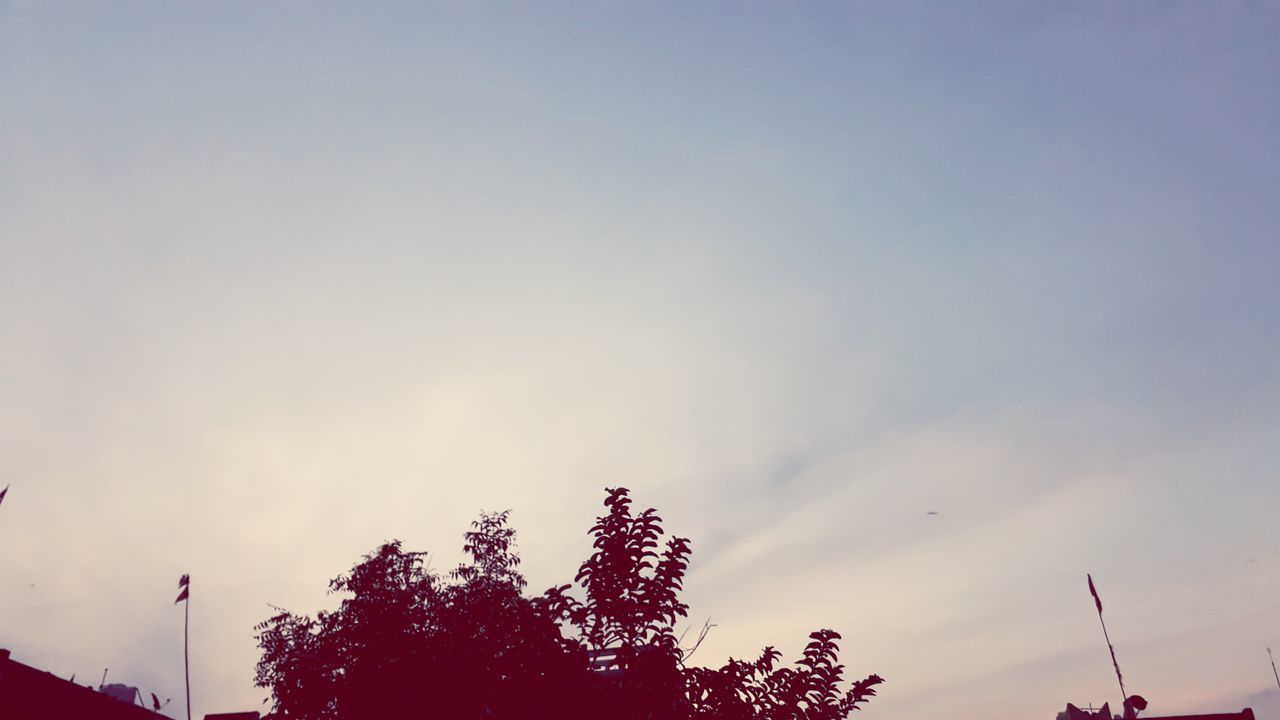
(1074, 713)
(26, 692)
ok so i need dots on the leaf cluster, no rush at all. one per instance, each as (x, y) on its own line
(759, 690)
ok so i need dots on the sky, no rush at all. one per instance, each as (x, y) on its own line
(282, 281)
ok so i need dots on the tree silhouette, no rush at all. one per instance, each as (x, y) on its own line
(631, 607)
(757, 690)
(407, 642)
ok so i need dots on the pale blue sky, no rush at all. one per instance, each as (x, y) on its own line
(279, 282)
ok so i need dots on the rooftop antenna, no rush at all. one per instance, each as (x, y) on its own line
(1273, 667)
(184, 583)
(1124, 696)
(104, 678)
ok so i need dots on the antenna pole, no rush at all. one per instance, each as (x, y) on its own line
(1116, 665)
(184, 584)
(186, 655)
(1273, 667)
(1124, 696)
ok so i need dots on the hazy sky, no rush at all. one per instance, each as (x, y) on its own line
(281, 281)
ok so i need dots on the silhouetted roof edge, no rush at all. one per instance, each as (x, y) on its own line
(10, 668)
(1246, 714)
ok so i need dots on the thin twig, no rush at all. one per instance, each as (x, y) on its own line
(706, 628)
(686, 632)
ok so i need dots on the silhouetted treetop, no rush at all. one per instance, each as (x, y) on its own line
(405, 642)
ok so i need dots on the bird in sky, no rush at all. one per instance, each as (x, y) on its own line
(932, 512)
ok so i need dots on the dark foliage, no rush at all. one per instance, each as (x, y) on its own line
(406, 643)
(409, 643)
(759, 690)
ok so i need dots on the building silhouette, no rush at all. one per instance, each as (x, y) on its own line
(30, 694)
(1074, 713)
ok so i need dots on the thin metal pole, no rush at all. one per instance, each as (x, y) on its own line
(1273, 667)
(186, 648)
(1116, 665)
(1124, 696)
